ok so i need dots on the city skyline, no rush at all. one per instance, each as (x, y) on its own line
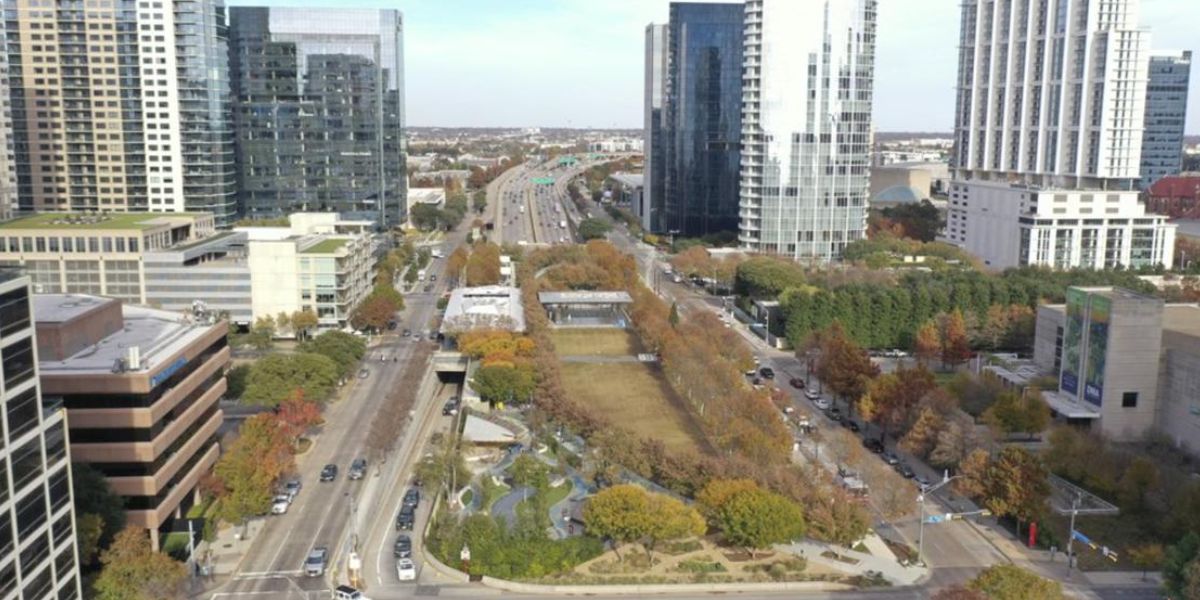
(463, 57)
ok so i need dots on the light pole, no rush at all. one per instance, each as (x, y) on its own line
(921, 514)
(1071, 535)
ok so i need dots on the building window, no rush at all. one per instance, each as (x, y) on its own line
(18, 363)
(1129, 400)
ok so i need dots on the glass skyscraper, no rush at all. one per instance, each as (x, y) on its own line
(806, 125)
(319, 111)
(1166, 113)
(703, 123)
(653, 144)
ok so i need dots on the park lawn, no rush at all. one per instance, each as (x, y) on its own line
(594, 342)
(633, 397)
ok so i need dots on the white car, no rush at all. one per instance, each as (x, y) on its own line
(406, 570)
(822, 403)
(280, 505)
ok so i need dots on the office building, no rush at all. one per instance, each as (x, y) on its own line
(121, 106)
(1166, 114)
(1127, 364)
(8, 168)
(654, 152)
(141, 387)
(702, 129)
(319, 111)
(1048, 136)
(806, 126)
(37, 521)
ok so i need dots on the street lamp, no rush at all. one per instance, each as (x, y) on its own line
(921, 515)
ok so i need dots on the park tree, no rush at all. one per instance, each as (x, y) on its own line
(1179, 565)
(501, 383)
(843, 365)
(343, 348)
(891, 398)
(1139, 479)
(920, 221)
(1018, 413)
(756, 519)
(593, 229)
(479, 201)
(837, 518)
(100, 513)
(767, 277)
(957, 438)
(671, 519)
(1012, 484)
(922, 437)
(250, 466)
(1010, 582)
(1147, 557)
(956, 348)
(373, 313)
(456, 262)
(275, 377)
(717, 492)
(303, 322)
(133, 571)
(283, 321)
(483, 265)
(618, 513)
(927, 344)
(297, 415)
(425, 217)
(528, 471)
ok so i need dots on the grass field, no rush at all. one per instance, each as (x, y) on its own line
(632, 396)
(594, 342)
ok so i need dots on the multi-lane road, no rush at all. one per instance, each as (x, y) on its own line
(529, 205)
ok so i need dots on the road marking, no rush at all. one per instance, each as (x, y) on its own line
(268, 574)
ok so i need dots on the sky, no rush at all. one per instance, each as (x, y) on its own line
(578, 63)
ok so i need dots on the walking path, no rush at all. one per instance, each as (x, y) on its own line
(855, 562)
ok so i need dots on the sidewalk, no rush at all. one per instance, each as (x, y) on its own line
(887, 566)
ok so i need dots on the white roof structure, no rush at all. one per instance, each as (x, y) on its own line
(487, 307)
(482, 431)
(585, 297)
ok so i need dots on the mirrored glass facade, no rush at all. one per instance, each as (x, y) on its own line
(1166, 113)
(319, 111)
(703, 119)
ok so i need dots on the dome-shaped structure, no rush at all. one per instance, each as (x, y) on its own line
(897, 194)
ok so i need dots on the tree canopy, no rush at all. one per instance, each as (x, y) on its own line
(96, 502)
(593, 229)
(342, 348)
(132, 571)
(1010, 582)
(275, 377)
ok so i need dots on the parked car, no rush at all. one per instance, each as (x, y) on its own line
(403, 547)
(921, 482)
(392, 325)
(329, 473)
(821, 403)
(767, 373)
(412, 497)
(891, 458)
(405, 518)
(852, 425)
(315, 563)
(874, 445)
(364, 373)
(406, 333)
(797, 383)
(406, 570)
(358, 469)
(905, 471)
(292, 489)
(432, 277)
(281, 504)
(836, 417)
(450, 408)
(811, 395)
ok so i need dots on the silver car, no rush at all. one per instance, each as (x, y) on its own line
(314, 564)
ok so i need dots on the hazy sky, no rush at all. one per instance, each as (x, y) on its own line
(578, 63)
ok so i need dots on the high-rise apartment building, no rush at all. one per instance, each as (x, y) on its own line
(121, 105)
(1048, 136)
(319, 111)
(8, 168)
(1166, 115)
(37, 521)
(654, 150)
(806, 125)
(141, 388)
(702, 124)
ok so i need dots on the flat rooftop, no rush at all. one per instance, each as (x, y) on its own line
(158, 334)
(1182, 318)
(326, 246)
(492, 306)
(85, 222)
(585, 297)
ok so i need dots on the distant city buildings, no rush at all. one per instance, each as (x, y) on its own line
(806, 126)
(614, 145)
(37, 520)
(120, 107)
(319, 111)
(1166, 115)
(702, 125)
(1048, 136)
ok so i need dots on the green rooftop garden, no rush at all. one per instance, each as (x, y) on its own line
(328, 246)
(84, 222)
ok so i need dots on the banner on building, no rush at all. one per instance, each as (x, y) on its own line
(1097, 354)
(1072, 342)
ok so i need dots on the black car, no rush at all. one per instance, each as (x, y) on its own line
(905, 471)
(329, 473)
(403, 547)
(450, 409)
(406, 333)
(412, 497)
(405, 518)
(852, 425)
(392, 325)
(836, 417)
(767, 373)
(358, 469)
(797, 383)
(874, 445)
